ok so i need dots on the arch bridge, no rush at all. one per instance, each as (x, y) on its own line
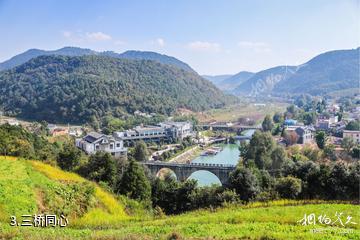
(183, 171)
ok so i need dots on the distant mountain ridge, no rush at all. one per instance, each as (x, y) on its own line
(216, 79)
(328, 72)
(235, 80)
(228, 82)
(263, 82)
(75, 51)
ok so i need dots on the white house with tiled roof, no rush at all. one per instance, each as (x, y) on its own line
(94, 142)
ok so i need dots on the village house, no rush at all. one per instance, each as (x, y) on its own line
(94, 142)
(305, 133)
(326, 122)
(355, 135)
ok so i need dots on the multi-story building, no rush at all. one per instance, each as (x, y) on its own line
(94, 142)
(147, 133)
(355, 135)
(326, 122)
(178, 130)
(305, 133)
(167, 131)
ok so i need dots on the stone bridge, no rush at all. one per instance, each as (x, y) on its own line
(229, 127)
(183, 171)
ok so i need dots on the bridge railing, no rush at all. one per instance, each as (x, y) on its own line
(190, 164)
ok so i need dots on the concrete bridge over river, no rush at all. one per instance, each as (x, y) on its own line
(183, 171)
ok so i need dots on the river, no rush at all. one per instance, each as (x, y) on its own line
(229, 155)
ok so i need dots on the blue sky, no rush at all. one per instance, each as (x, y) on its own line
(214, 37)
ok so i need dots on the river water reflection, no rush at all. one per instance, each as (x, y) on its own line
(229, 155)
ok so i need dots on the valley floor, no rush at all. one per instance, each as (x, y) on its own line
(253, 111)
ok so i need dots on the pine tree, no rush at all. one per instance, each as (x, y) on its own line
(134, 183)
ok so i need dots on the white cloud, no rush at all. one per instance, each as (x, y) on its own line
(98, 36)
(119, 42)
(255, 46)
(204, 46)
(67, 34)
(81, 37)
(160, 42)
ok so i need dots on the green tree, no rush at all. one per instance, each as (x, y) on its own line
(101, 168)
(277, 130)
(69, 157)
(339, 115)
(134, 183)
(164, 194)
(258, 150)
(309, 118)
(347, 144)
(288, 187)
(245, 183)
(278, 157)
(353, 125)
(329, 151)
(5, 141)
(356, 152)
(267, 124)
(141, 153)
(321, 138)
(354, 181)
(338, 182)
(278, 117)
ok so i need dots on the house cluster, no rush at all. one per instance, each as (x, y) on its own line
(328, 122)
(117, 143)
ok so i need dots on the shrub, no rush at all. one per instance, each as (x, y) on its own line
(288, 187)
(245, 183)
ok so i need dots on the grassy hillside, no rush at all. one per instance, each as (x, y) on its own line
(33, 187)
(29, 187)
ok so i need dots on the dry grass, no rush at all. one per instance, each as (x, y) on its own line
(56, 173)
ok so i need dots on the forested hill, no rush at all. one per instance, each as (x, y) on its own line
(146, 55)
(75, 51)
(330, 72)
(83, 88)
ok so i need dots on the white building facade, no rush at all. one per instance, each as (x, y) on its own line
(94, 142)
